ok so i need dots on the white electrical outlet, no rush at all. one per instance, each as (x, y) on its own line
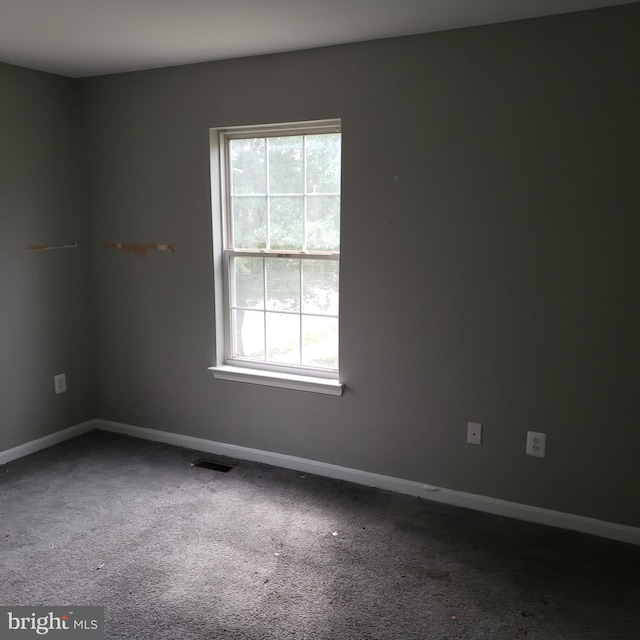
(474, 433)
(536, 444)
(60, 382)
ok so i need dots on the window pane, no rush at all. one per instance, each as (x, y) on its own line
(248, 167)
(286, 223)
(249, 223)
(323, 223)
(285, 165)
(320, 286)
(283, 338)
(283, 284)
(283, 196)
(320, 342)
(248, 280)
(323, 163)
(247, 334)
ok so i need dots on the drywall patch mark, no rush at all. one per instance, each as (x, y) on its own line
(137, 248)
(42, 247)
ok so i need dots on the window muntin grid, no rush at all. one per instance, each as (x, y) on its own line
(294, 328)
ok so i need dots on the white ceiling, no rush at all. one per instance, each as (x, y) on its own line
(93, 37)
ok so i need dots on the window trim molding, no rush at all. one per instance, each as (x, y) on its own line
(278, 379)
(227, 369)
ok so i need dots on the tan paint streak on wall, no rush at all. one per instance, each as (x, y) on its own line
(43, 247)
(138, 249)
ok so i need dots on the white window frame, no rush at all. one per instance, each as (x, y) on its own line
(239, 370)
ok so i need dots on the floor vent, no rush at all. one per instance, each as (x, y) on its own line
(210, 464)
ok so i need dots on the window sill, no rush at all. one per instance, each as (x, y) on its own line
(280, 380)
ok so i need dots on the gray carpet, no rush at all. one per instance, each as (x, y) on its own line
(175, 551)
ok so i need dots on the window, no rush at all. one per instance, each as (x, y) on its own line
(279, 254)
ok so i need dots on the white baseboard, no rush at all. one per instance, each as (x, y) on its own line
(611, 530)
(47, 441)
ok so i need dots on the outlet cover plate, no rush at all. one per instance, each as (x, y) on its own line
(536, 444)
(60, 382)
(474, 433)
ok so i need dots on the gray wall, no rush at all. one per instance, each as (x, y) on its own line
(44, 326)
(489, 269)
